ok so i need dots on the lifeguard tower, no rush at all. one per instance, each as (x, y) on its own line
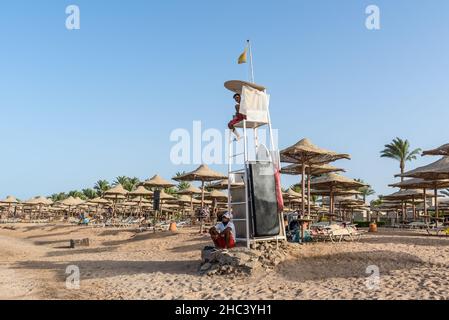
(255, 198)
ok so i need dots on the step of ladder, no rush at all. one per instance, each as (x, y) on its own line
(237, 155)
(237, 171)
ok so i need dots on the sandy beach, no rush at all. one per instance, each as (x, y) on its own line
(126, 264)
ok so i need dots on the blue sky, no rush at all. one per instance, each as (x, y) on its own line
(96, 103)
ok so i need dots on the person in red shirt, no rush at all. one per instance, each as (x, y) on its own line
(238, 117)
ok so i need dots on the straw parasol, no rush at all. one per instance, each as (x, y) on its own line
(440, 151)
(99, 201)
(216, 196)
(295, 194)
(157, 182)
(223, 185)
(190, 191)
(332, 182)
(116, 192)
(336, 192)
(417, 183)
(306, 154)
(316, 170)
(140, 193)
(165, 196)
(409, 194)
(70, 202)
(39, 202)
(438, 170)
(203, 173)
(9, 201)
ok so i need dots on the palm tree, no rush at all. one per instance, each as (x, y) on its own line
(58, 196)
(120, 180)
(399, 150)
(127, 183)
(133, 183)
(90, 193)
(171, 191)
(101, 186)
(365, 191)
(182, 185)
(77, 194)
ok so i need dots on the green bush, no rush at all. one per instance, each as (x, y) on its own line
(365, 224)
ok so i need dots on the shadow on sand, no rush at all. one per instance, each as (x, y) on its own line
(141, 237)
(346, 265)
(408, 239)
(103, 269)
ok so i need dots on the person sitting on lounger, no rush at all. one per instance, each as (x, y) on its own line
(223, 234)
(238, 117)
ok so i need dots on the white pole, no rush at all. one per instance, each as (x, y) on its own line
(251, 61)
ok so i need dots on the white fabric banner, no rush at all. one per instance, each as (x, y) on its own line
(254, 105)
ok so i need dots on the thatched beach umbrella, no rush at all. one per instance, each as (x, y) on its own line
(69, 202)
(204, 174)
(216, 196)
(190, 191)
(417, 183)
(97, 202)
(438, 170)
(315, 170)
(224, 184)
(306, 154)
(140, 192)
(39, 202)
(440, 151)
(116, 192)
(332, 182)
(157, 182)
(336, 192)
(9, 201)
(164, 197)
(408, 194)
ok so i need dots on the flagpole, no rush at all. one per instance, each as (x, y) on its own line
(251, 62)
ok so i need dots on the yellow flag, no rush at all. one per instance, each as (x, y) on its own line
(242, 58)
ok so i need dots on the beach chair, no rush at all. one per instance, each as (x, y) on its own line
(437, 231)
(340, 234)
(126, 222)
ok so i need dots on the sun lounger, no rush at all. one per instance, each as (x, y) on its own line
(439, 231)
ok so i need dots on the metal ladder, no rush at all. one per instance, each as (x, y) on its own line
(244, 171)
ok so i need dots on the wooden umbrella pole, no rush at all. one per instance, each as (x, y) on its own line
(414, 208)
(436, 206)
(303, 188)
(308, 191)
(405, 211)
(331, 203)
(202, 206)
(425, 204)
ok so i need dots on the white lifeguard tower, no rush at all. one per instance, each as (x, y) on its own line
(254, 182)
